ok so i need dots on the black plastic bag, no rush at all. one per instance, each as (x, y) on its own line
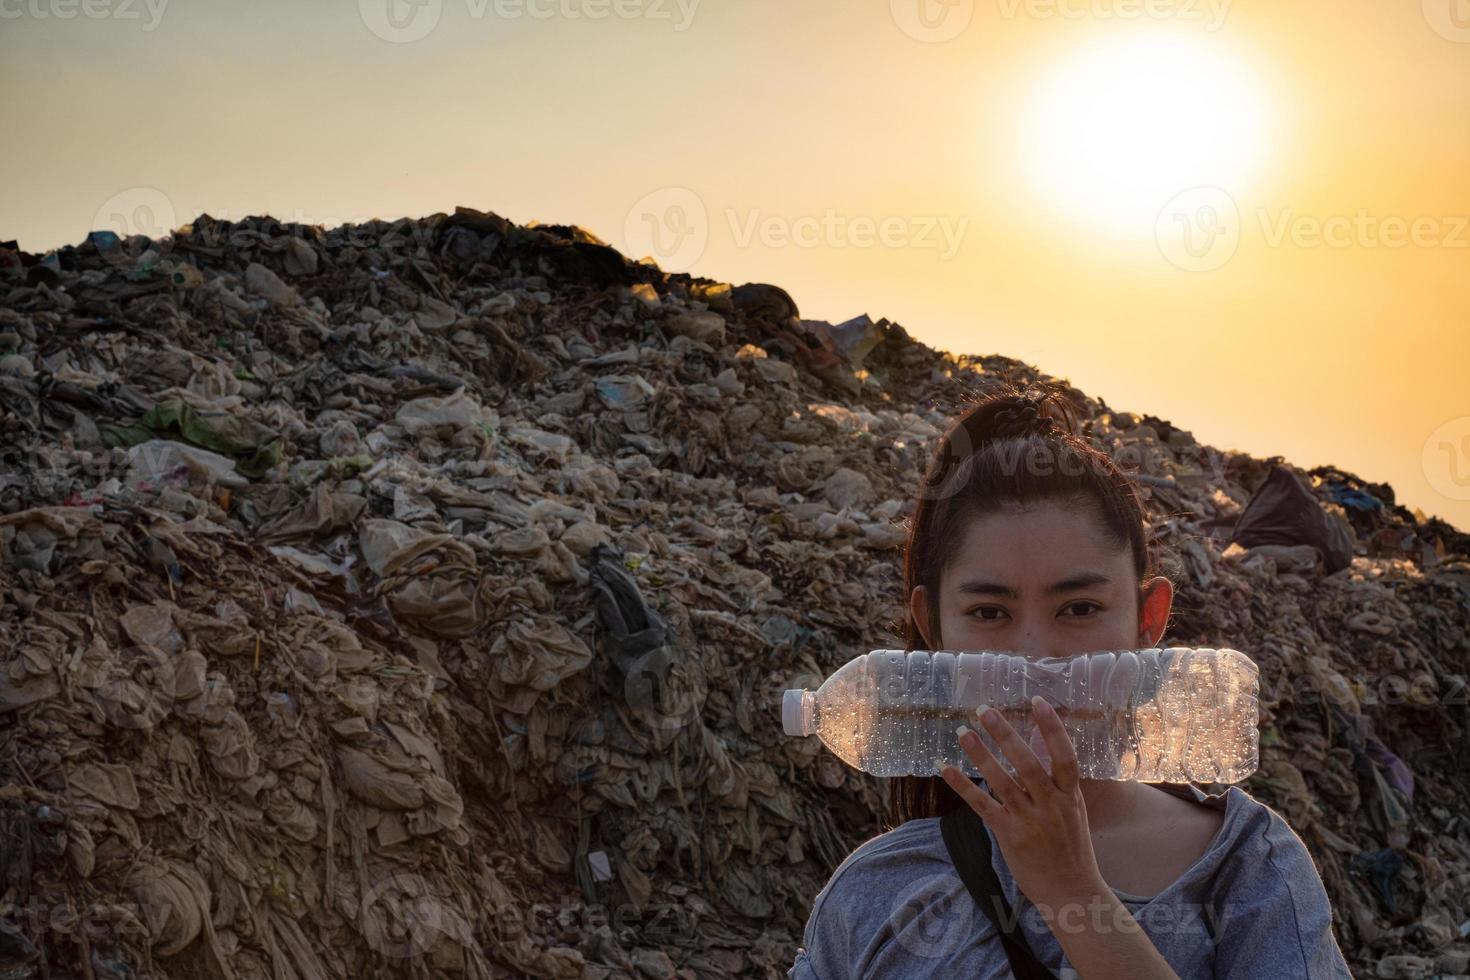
(1284, 511)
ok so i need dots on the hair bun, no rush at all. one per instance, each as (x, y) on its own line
(1023, 417)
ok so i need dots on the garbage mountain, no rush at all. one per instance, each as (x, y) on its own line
(416, 597)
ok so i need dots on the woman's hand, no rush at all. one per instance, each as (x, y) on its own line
(1040, 823)
(1039, 820)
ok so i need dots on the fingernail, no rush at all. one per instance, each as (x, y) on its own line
(1039, 703)
(991, 717)
(939, 764)
(962, 732)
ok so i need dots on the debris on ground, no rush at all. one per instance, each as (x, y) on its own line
(416, 597)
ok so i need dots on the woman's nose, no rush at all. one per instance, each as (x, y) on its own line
(1035, 642)
(1031, 644)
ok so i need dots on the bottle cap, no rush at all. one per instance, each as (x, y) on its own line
(791, 713)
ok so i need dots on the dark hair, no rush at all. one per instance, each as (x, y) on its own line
(1014, 446)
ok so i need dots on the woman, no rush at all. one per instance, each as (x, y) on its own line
(1026, 539)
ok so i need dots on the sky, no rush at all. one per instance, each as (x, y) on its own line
(1249, 219)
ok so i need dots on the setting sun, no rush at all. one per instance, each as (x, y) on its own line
(1117, 132)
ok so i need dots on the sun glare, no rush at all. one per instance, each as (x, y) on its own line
(1117, 133)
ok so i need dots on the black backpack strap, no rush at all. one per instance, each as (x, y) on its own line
(968, 843)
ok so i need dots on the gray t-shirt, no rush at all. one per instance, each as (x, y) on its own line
(896, 908)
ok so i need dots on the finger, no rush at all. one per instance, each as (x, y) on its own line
(978, 799)
(1064, 768)
(1001, 784)
(1030, 773)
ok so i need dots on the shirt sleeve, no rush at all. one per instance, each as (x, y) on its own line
(802, 968)
(1278, 923)
(823, 952)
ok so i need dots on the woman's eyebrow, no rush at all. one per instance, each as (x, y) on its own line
(1070, 584)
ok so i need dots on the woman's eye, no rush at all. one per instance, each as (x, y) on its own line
(979, 613)
(1082, 605)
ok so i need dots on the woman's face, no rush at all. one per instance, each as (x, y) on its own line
(1042, 581)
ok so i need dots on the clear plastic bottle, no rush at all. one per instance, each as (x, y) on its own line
(1156, 715)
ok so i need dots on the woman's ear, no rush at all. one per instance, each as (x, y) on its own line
(1153, 611)
(919, 610)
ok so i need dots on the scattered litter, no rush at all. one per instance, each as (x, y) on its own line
(416, 596)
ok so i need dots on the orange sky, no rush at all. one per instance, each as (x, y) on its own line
(1249, 219)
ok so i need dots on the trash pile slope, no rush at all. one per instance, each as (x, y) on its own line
(415, 598)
